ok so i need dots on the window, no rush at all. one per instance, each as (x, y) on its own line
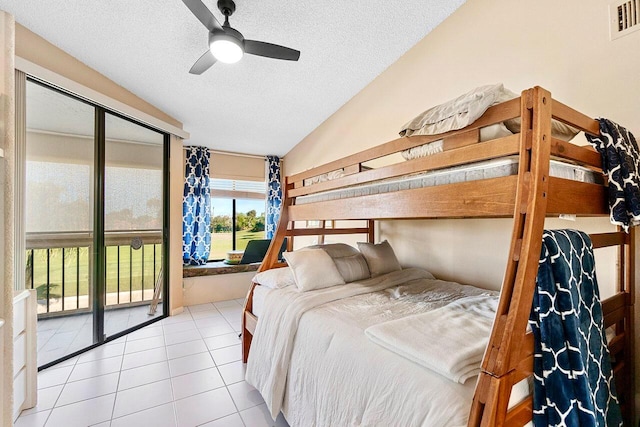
(237, 215)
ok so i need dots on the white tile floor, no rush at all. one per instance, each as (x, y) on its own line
(182, 371)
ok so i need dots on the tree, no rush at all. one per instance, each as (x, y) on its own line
(242, 221)
(221, 224)
(258, 225)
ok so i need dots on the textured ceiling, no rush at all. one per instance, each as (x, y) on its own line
(49, 111)
(259, 105)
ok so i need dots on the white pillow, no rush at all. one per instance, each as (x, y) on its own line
(276, 278)
(324, 177)
(487, 133)
(467, 108)
(455, 114)
(380, 257)
(558, 129)
(313, 269)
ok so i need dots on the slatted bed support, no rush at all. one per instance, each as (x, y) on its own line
(528, 197)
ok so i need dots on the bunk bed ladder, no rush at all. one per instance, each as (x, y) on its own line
(509, 355)
(498, 375)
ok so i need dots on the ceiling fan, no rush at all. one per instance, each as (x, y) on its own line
(226, 44)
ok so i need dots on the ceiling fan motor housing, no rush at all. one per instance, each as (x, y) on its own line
(226, 33)
(227, 7)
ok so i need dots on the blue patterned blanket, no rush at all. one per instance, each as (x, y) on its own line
(621, 163)
(573, 382)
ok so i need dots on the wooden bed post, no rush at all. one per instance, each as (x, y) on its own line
(270, 259)
(371, 237)
(628, 285)
(322, 225)
(489, 407)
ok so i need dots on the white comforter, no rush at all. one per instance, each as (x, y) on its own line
(311, 358)
(272, 343)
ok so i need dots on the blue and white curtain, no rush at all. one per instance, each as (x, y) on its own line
(196, 208)
(274, 196)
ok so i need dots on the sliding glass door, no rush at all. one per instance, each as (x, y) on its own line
(133, 223)
(95, 222)
(59, 209)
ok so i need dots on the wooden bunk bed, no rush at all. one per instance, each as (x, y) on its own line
(528, 197)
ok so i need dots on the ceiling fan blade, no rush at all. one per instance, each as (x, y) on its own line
(270, 50)
(203, 13)
(203, 63)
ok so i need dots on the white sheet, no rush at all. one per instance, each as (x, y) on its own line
(338, 377)
(450, 340)
(272, 343)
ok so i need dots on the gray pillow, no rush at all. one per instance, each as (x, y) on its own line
(352, 267)
(350, 263)
(380, 257)
(336, 250)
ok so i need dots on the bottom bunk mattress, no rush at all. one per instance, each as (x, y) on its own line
(332, 373)
(495, 168)
(258, 299)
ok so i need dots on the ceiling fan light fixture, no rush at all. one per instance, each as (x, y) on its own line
(227, 44)
(226, 48)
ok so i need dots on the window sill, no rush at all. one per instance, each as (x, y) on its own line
(217, 267)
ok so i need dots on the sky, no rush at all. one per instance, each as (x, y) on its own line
(224, 207)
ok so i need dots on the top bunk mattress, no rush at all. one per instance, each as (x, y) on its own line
(495, 168)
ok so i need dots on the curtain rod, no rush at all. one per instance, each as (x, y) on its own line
(229, 153)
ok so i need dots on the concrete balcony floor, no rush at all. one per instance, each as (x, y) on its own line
(59, 336)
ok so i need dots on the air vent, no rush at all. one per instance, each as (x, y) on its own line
(625, 18)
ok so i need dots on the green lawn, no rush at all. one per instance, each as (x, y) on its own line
(133, 273)
(221, 242)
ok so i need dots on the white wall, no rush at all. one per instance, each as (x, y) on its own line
(7, 197)
(561, 46)
(220, 287)
(176, 188)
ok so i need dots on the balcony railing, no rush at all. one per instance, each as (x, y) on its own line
(59, 266)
